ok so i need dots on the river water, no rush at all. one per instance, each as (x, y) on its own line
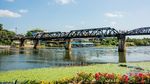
(14, 59)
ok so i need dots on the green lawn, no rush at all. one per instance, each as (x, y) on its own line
(52, 74)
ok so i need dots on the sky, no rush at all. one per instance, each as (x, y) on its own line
(65, 15)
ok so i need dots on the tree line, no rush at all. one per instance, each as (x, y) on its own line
(5, 36)
(129, 42)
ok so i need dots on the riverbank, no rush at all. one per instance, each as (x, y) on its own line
(53, 74)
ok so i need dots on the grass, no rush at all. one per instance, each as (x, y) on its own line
(53, 74)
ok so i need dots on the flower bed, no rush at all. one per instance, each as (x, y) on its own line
(127, 78)
(100, 78)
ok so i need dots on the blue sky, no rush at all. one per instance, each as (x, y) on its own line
(66, 15)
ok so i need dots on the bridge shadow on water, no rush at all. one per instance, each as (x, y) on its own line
(38, 58)
(69, 56)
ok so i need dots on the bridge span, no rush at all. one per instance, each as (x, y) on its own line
(84, 33)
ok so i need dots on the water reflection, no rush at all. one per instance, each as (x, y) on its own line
(36, 58)
(4, 52)
(68, 55)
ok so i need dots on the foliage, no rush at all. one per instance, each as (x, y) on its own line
(106, 41)
(5, 36)
(129, 42)
(117, 78)
(85, 77)
(1, 27)
(29, 82)
(33, 31)
(80, 78)
(139, 42)
(105, 77)
(100, 78)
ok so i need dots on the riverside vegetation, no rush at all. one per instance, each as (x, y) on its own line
(5, 34)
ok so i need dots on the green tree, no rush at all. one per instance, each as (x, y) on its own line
(1, 27)
(33, 31)
(5, 35)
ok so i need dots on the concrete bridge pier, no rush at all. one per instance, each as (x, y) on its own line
(122, 57)
(68, 45)
(36, 43)
(121, 45)
(21, 45)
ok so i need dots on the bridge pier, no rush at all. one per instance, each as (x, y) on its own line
(122, 57)
(21, 45)
(121, 45)
(68, 45)
(36, 43)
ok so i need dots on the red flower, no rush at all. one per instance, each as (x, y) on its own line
(97, 75)
(125, 78)
(140, 75)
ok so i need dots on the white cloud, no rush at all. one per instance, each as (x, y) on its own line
(10, 0)
(64, 2)
(114, 14)
(7, 13)
(23, 10)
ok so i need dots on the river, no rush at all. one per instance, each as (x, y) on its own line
(14, 59)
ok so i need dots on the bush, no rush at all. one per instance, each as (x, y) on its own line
(80, 78)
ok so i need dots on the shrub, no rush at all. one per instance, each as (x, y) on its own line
(80, 78)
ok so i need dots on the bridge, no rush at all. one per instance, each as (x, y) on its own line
(84, 33)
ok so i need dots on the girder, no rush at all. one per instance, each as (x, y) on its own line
(139, 31)
(96, 32)
(51, 35)
(18, 36)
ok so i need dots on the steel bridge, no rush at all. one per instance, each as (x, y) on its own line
(84, 33)
(139, 31)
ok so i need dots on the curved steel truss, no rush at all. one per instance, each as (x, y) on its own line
(139, 31)
(50, 35)
(85, 33)
(97, 32)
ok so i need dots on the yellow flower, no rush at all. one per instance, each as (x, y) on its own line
(119, 77)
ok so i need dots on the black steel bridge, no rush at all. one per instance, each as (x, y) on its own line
(84, 33)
